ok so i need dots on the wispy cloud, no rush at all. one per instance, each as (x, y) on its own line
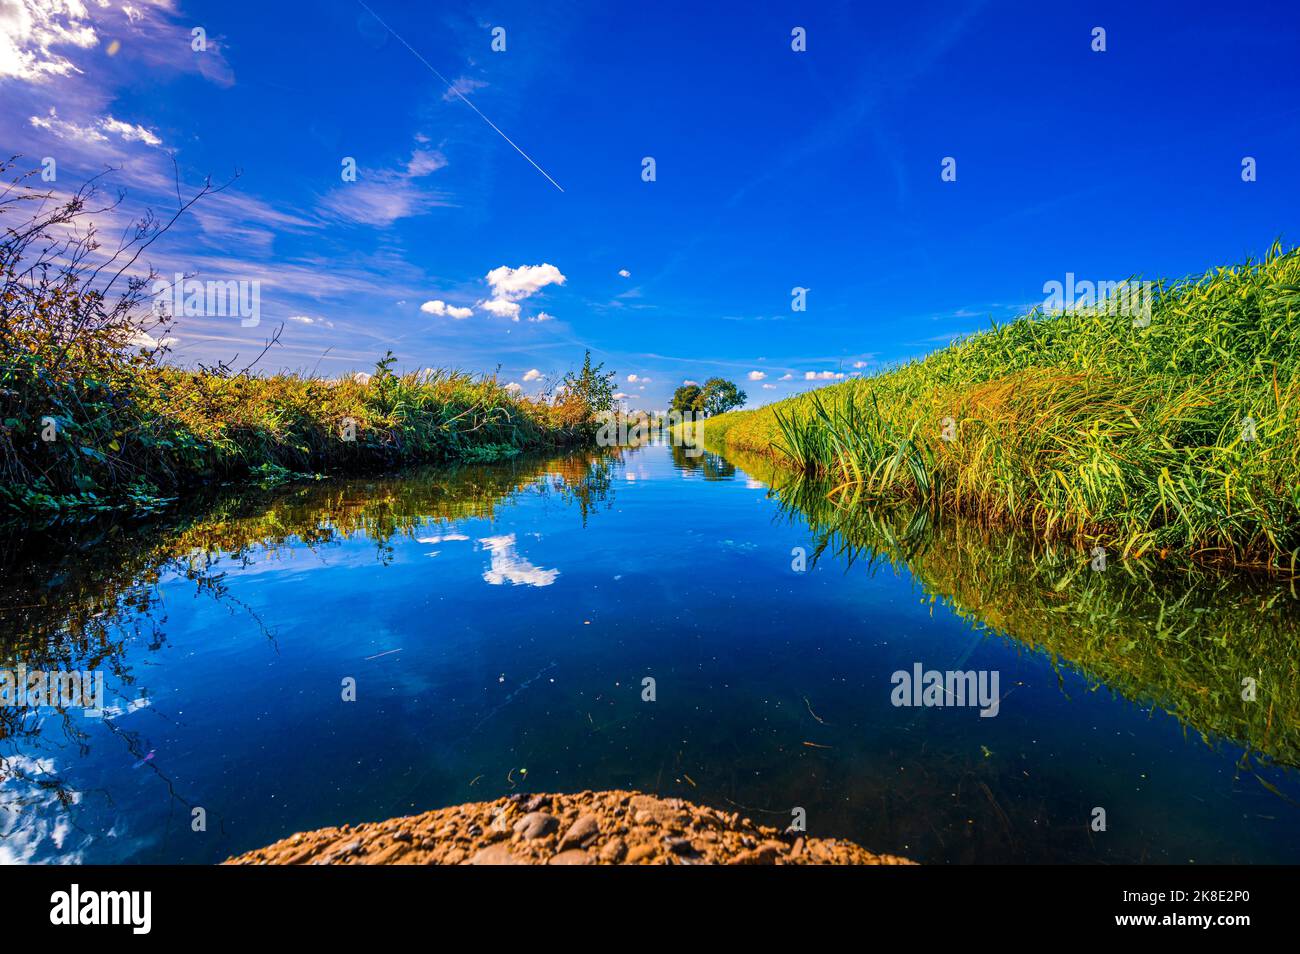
(461, 86)
(381, 197)
(308, 320)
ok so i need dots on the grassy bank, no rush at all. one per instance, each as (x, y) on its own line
(1177, 436)
(94, 417)
(119, 430)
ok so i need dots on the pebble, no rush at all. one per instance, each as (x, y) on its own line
(498, 854)
(536, 825)
(613, 851)
(390, 854)
(638, 853)
(580, 833)
(679, 846)
(537, 802)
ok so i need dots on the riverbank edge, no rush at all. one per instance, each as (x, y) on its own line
(715, 435)
(615, 827)
(1168, 433)
(16, 516)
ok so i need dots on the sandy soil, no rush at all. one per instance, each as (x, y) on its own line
(580, 829)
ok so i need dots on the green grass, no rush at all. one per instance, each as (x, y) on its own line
(129, 430)
(90, 421)
(1083, 427)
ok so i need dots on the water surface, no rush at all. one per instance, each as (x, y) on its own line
(500, 622)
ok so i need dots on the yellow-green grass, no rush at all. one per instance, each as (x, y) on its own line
(1173, 437)
(91, 420)
(123, 431)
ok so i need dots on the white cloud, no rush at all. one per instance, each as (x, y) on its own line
(859, 364)
(29, 31)
(308, 320)
(512, 285)
(769, 387)
(637, 379)
(822, 375)
(514, 386)
(786, 377)
(500, 308)
(439, 307)
(624, 273)
(509, 567)
(757, 375)
(542, 316)
(621, 396)
(688, 381)
(94, 131)
(142, 339)
(532, 375)
(67, 130)
(129, 132)
(516, 284)
(47, 40)
(45, 825)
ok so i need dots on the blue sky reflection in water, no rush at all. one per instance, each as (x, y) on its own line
(499, 622)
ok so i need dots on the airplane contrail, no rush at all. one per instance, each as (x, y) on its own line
(452, 87)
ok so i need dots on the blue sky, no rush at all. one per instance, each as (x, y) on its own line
(775, 169)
